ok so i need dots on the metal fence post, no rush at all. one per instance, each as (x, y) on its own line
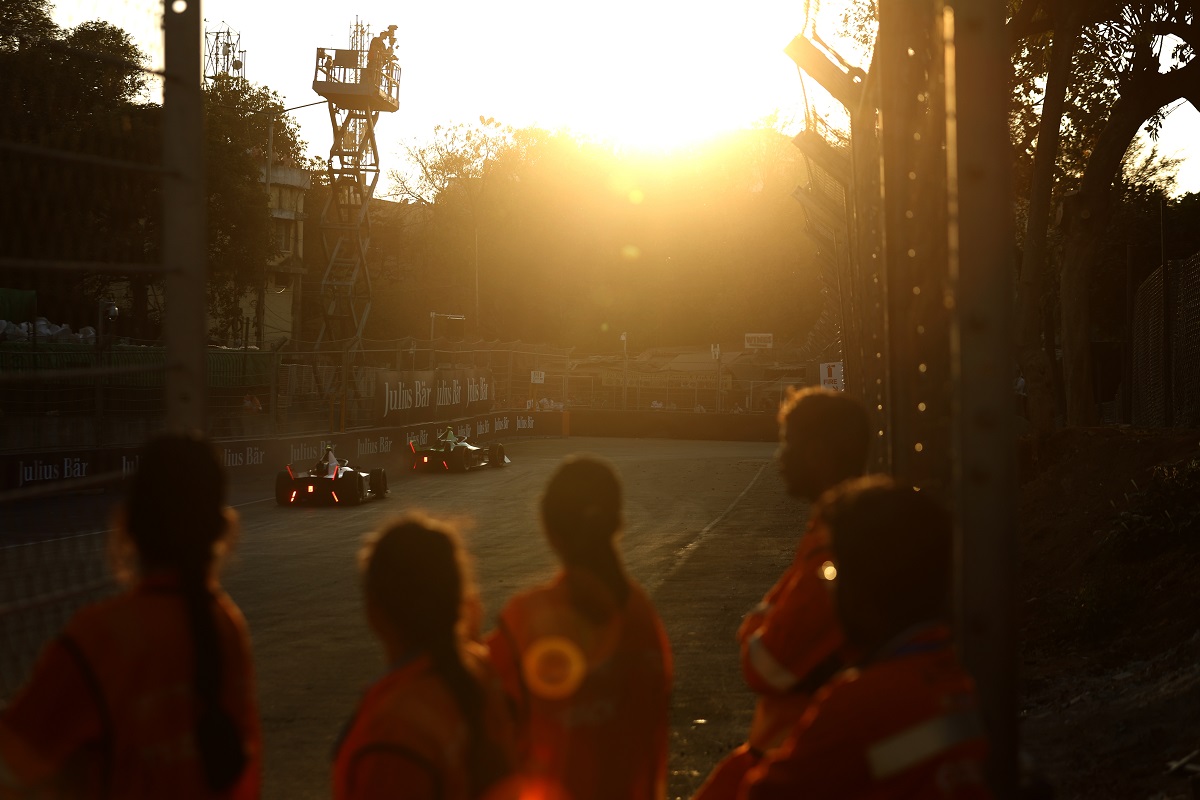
(184, 219)
(980, 247)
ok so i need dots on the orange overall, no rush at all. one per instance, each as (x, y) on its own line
(592, 698)
(408, 738)
(905, 726)
(110, 709)
(790, 645)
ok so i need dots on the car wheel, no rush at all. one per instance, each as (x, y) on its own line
(379, 484)
(458, 460)
(283, 488)
(496, 455)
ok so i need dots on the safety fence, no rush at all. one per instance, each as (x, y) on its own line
(114, 395)
(913, 213)
(101, 151)
(1165, 380)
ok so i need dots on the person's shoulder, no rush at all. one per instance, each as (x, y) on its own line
(230, 609)
(534, 596)
(99, 613)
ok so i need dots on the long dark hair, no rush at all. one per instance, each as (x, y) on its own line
(581, 514)
(175, 514)
(415, 575)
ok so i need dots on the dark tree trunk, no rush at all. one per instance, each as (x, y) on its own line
(1085, 219)
(1031, 350)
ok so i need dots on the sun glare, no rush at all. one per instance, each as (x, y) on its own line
(664, 75)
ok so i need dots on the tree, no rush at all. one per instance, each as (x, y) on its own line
(578, 241)
(1106, 75)
(74, 109)
(240, 235)
(76, 101)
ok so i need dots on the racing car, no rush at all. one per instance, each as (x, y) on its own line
(457, 456)
(314, 486)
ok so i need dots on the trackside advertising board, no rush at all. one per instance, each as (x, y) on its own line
(369, 448)
(409, 397)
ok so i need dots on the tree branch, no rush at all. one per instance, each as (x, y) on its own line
(1144, 95)
(1022, 24)
(1188, 33)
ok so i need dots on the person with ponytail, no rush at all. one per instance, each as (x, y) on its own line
(585, 659)
(437, 725)
(149, 694)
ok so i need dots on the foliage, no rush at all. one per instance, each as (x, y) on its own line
(1162, 513)
(240, 118)
(88, 187)
(77, 91)
(572, 242)
(1113, 87)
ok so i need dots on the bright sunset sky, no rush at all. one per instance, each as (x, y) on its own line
(642, 72)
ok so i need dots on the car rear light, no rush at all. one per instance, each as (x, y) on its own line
(292, 499)
(425, 459)
(444, 464)
(335, 497)
(310, 488)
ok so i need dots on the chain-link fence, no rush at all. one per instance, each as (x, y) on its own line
(1166, 347)
(100, 153)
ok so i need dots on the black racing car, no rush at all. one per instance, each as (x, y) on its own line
(459, 457)
(313, 487)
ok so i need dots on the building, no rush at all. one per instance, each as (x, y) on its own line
(274, 310)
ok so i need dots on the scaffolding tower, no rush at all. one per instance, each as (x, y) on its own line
(358, 83)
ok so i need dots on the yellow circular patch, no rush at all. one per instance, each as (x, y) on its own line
(554, 667)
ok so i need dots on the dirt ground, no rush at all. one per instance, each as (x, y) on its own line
(1110, 625)
(1110, 560)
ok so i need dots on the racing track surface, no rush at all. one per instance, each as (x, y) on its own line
(689, 506)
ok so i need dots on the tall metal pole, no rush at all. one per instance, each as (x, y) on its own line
(477, 280)
(625, 379)
(981, 269)
(184, 218)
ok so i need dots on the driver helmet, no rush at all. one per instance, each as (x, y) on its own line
(328, 447)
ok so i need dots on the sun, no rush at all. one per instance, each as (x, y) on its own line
(665, 75)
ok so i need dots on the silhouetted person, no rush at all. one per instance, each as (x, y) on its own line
(904, 721)
(149, 694)
(585, 658)
(437, 725)
(792, 643)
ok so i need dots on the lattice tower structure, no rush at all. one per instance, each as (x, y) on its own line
(224, 54)
(359, 83)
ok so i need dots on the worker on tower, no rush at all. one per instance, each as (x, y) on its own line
(791, 643)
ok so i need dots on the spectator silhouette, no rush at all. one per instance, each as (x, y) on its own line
(585, 658)
(149, 694)
(437, 725)
(791, 643)
(905, 722)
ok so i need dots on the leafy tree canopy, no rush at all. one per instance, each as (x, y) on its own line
(572, 242)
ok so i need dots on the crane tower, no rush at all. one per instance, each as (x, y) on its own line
(358, 83)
